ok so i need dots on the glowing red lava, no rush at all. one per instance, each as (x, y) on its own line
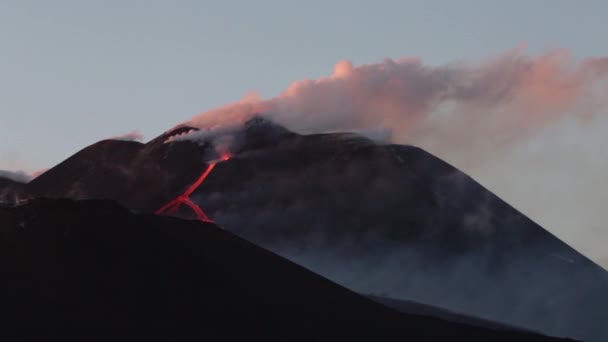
(171, 207)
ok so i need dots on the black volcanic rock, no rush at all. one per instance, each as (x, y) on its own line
(380, 219)
(93, 264)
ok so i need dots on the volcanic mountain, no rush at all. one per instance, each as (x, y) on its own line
(380, 219)
(93, 264)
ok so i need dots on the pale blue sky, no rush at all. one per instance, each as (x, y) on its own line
(74, 71)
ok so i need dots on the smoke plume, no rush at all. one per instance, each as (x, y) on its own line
(17, 176)
(131, 136)
(529, 128)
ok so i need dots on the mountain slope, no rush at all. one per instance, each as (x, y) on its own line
(12, 191)
(94, 264)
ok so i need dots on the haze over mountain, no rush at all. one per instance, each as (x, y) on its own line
(380, 219)
(94, 264)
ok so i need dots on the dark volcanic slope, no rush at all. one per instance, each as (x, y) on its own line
(69, 264)
(139, 176)
(430, 311)
(381, 219)
(12, 191)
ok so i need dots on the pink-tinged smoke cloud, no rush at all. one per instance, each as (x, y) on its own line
(131, 136)
(512, 91)
(37, 173)
(530, 128)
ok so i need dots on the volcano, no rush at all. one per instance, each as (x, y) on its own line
(380, 219)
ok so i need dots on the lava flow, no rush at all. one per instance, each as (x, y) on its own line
(171, 207)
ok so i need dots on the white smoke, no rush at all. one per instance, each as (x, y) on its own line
(131, 136)
(17, 176)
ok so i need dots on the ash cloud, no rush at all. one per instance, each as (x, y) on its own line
(523, 126)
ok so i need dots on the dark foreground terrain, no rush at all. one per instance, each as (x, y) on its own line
(94, 264)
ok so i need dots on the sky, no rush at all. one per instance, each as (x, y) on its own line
(74, 72)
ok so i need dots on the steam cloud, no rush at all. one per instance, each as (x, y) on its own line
(17, 176)
(529, 128)
(131, 136)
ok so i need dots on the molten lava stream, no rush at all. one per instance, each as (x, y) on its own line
(171, 207)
